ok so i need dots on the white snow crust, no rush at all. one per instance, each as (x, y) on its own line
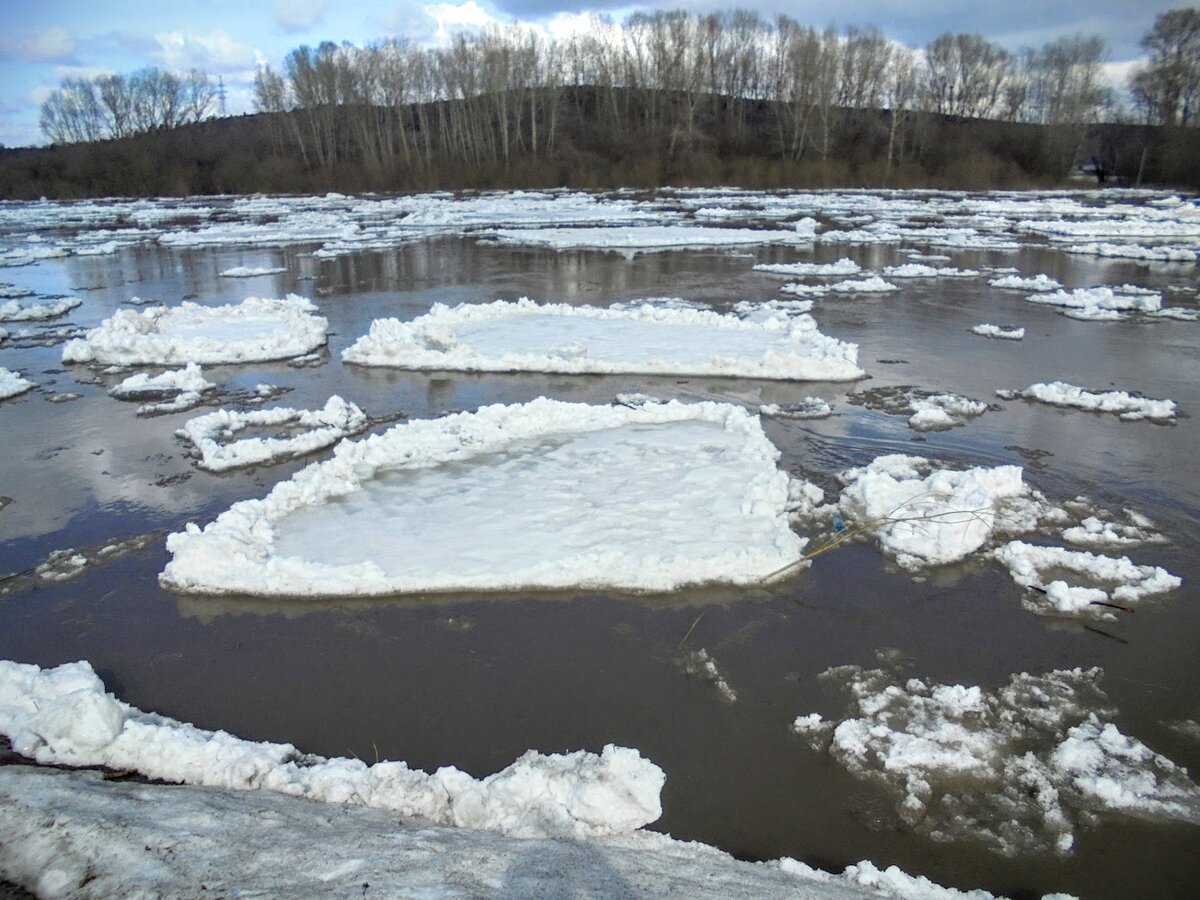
(996, 331)
(538, 495)
(1020, 768)
(12, 384)
(650, 338)
(213, 434)
(254, 330)
(1121, 403)
(923, 515)
(63, 716)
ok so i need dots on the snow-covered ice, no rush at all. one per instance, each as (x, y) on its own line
(16, 311)
(872, 285)
(539, 495)
(12, 384)
(807, 408)
(176, 389)
(1038, 282)
(988, 330)
(1134, 251)
(923, 515)
(645, 238)
(647, 338)
(1121, 403)
(1020, 768)
(937, 412)
(844, 266)
(917, 270)
(215, 434)
(1105, 578)
(1101, 304)
(1103, 531)
(254, 330)
(252, 271)
(63, 716)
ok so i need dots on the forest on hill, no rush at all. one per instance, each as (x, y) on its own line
(665, 98)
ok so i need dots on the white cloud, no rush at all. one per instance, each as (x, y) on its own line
(213, 52)
(49, 45)
(451, 19)
(297, 15)
(39, 95)
(89, 72)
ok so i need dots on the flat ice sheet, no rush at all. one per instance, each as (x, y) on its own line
(645, 238)
(525, 336)
(538, 495)
(255, 329)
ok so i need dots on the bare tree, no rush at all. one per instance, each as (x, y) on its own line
(1168, 88)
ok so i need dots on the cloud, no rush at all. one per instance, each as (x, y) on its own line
(213, 52)
(298, 15)
(49, 45)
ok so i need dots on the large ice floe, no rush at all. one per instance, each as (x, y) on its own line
(649, 338)
(1128, 407)
(1135, 251)
(214, 434)
(255, 329)
(1096, 582)
(646, 238)
(1101, 304)
(923, 515)
(538, 495)
(1020, 768)
(63, 716)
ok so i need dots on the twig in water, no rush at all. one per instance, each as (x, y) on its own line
(690, 630)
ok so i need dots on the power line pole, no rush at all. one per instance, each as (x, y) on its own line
(221, 96)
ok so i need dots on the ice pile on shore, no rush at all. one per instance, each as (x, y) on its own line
(648, 337)
(63, 716)
(308, 431)
(1126, 406)
(254, 330)
(539, 495)
(1020, 768)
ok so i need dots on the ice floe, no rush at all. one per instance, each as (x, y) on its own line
(1106, 579)
(649, 338)
(917, 270)
(871, 285)
(923, 515)
(1101, 530)
(937, 412)
(1134, 251)
(1101, 303)
(1039, 282)
(988, 330)
(807, 408)
(12, 384)
(1127, 406)
(172, 391)
(305, 431)
(645, 238)
(844, 266)
(1021, 768)
(539, 495)
(255, 329)
(252, 271)
(15, 311)
(63, 716)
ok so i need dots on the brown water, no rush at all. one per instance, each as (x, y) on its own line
(474, 681)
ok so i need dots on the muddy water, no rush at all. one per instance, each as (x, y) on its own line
(474, 681)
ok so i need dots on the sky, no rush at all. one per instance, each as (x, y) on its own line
(44, 42)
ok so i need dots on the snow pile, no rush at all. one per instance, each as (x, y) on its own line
(923, 515)
(309, 430)
(651, 338)
(1125, 405)
(1135, 251)
(1101, 304)
(252, 271)
(15, 311)
(63, 716)
(1038, 282)
(538, 495)
(1107, 579)
(12, 384)
(844, 266)
(872, 285)
(996, 331)
(644, 238)
(938, 412)
(808, 408)
(916, 270)
(1020, 768)
(255, 329)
